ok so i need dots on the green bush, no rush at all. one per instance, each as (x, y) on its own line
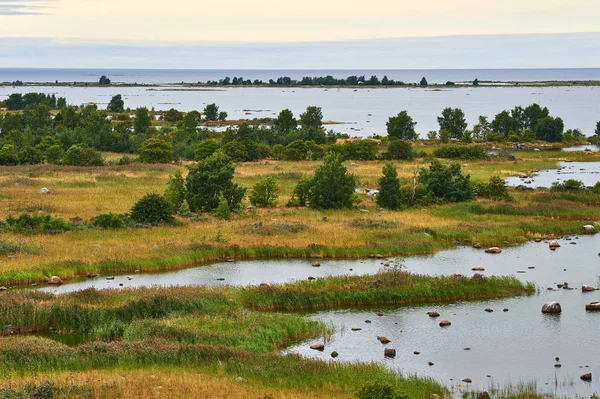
(82, 155)
(567, 185)
(108, 221)
(152, 209)
(332, 185)
(400, 150)
(495, 189)
(26, 223)
(264, 193)
(446, 183)
(156, 150)
(175, 192)
(379, 391)
(301, 192)
(205, 149)
(389, 188)
(461, 152)
(223, 212)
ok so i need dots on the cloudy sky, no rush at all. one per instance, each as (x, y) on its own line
(203, 34)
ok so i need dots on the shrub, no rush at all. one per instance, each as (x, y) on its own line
(223, 212)
(389, 188)
(446, 183)
(567, 185)
(205, 149)
(400, 150)
(402, 127)
(82, 155)
(332, 185)
(495, 189)
(461, 152)
(175, 192)
(379, 391)
(108, 221)
(26, 223)
(156, 150)
(152, 209)
(301, 192)
(264, 193)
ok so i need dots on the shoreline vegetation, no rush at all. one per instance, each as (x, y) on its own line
(351, 82)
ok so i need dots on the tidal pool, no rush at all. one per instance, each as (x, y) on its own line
(587, 172)
(492, 349)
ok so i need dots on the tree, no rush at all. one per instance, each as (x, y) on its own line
(400, 150)
(301, 193)
(208, 180)
(534, 113)
(389, 188)
(152, 209)
(82, 155)
(453, 121)
(312, 118)
(173, 116)
(205, 149)
(446, 183)
(264, 193)
(597, 131)
(285, 122)
(175, 191)
(142, 122)
(156, 150)
(476, 82)
(332, 185)
(402, 127)
(104, 81)
(211, 112)
(223, 212)
(549, 129)
(482, 128)
(424, 82)
(116, 104)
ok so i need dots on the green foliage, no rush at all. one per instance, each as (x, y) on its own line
(423, 82)
(453, 121)
(8, 155)
(210, 179)
(223, 212)
(205, 149)
(285, 122)
(156, 150)
(567, 185)
(446, 183)
(142, 122)
(389, 188)
(173, 115)
(108, 221)
(211, 112)
(312, 118)
(402, 127)
(32, 224)
(184, 209)
(175, 191)
(400, 150)
(104, 81)
(549, 129)
(360, 150)
(264, 193)
(379, 391)
(469, 152)
(29, 156)
(82, 155)
(332, 185)
(302, 192)
(495, 189)
(116, 104)
(152, 209)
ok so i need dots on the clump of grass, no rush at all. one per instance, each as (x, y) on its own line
(45, 390)
(370, 224)
(261, 228)
(8, 248)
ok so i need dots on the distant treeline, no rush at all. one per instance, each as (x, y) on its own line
(18, 101)
(309, 81)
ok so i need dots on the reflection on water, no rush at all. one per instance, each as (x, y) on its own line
(587, 172)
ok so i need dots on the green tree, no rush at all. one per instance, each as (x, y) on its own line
(312, 118)
(205, 149)
(285, 122)
(116, 104)
(332, 185)
(173, 116)
(8, 155)
(400, 150)
(54, 154)
(29, 156)
(156, 150)
(476, 82)
(223, 211)
(152, 209)
(446, 183)
(142, 122)
(389, 188)
(211, 112)
(534, 113)
(264, 193)
(549, 129)
(453, 121)
(104, 81)
(175, 191)
(82, 155)
(482, 128)
(424, 82)
(301, 194)
(597, 131)
(402, 127)
(208, 180)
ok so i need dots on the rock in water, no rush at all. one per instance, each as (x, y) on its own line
(433, 314)
(593, 307)
(586, 377)
(383, 340)
(388, 352)
(493, 250)
(551, 307)
(589, 229)
(55, 280)
(317, 347)
(316, 264)
(334, 354)
(587, 288)
(445, 323)
(554, 244)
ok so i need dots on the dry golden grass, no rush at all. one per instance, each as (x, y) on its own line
(169, 383)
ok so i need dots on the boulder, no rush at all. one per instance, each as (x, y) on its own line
(478, 269)
(44, 190)
(587, 288)
(430, 363)
(445, 323)
(489, 310)
(586, 377)
(538, 240)
(433, 314)
(2, 288)
(477, 245)
(91, 275)
(589, 229)
(317, 347)
(593, 307)
(477, 276)
(435, 396)
(316, 264)
(379, 314)
(388, 352)
(110, 278)
(55, 280)
(383, 340)
(356, 329)
(551, 307)
(493, 250)
(554, 244)
(311, 278)
(334, 354)
(483, 395)
(505, 310)
(468, 380)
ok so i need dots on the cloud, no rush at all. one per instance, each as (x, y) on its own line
(26, 7)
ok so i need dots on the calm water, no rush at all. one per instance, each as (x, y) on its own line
(164, 76)
(587, 172)
(364, 112)
(505, 347)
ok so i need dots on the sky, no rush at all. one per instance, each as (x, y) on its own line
(201, 34)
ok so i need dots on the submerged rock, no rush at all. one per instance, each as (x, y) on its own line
(493, 250)
(587, 288)
(383, 340)
(334, 354)
(554, 244)
(433, 314)
(316, 264)
(586, 377)
(317, 347)
(468, 380)
(55, 280)
(388, 352)
(489, 310)
(445, 323)
(593, 307)
(589, 229)
(552, 307)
